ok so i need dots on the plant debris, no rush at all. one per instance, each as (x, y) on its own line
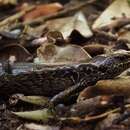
(64, 65)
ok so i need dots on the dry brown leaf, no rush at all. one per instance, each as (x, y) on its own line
(33, 126)
(90, 105)
(95, 49)
(4, 2)
(18, 52)
(107, 122)
(50, 53)
(42, 10)
(116, 9)
(37, 115)
(124, 34)
(83, 127)
(35, 100)
(119, 86)
(67, 25)
(78, 120)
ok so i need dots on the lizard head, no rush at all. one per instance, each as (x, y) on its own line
(114, 64)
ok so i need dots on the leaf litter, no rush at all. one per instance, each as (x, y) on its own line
(43, 35)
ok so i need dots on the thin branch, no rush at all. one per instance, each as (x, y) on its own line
(116, 24)
(55, 15)
(15, 16)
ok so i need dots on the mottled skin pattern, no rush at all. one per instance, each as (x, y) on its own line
(100, 68)
(72, 79)
(113, 65)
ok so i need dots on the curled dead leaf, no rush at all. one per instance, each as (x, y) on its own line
(118, 86)
(36, 100)
(50, 53)
(33, 126)
(107, 122)
(6, 2)
(41, 10)
(90, 105)
(38, 115)
(15, 50)
(95, 49)
(78, 120)
(67, 25)
(111, 12)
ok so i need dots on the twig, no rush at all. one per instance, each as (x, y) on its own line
(117, 86)
(116, 24)
(55, 15)
(15, 16)
(105, 35)
(90, 105)
(123, 117)
(92, 118)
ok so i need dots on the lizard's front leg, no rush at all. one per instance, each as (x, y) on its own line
(88, 75)
(109, 67)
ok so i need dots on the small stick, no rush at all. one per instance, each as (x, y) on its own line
(93, 118)
(116, 24)
(105, 35)
(54, 15)
(90, 105)
(15, 16)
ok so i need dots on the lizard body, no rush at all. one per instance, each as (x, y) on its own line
(64, 80)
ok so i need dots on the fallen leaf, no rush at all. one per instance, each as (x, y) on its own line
(42, 10)
(36, 32)
(118, 86)
(38, 115)
(12, 35)
(67, 25)
(78, 120)
(83, 127)
(50, 53)
(33, 126)
(115, 10)
(124, 34)
(15, 50)
(95, 49)
(107, 122)
(90, 105)
(5, 2)
(36, 100)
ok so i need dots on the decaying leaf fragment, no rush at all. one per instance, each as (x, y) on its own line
(90, 105)
(50, 53)
(32, 126)
(19, 52)
(38, 115)
(107, 122)
(118, 86)
(124, 34)
(116, 10)
(42, 10)
(67, 25)
(36, 100)
(78, 120)
(95, 49)
(5, 2)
